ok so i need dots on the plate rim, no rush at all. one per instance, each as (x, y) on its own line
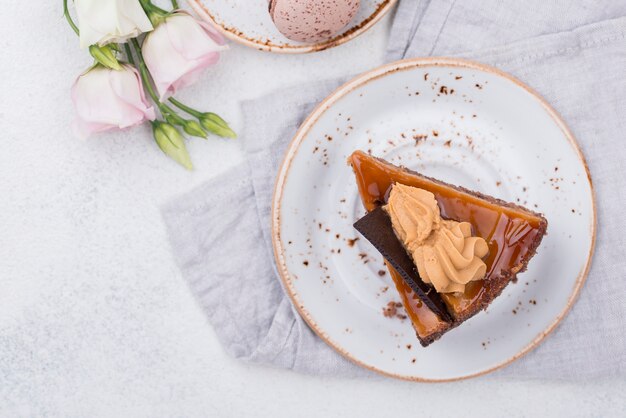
(383, 8)
(312, 118)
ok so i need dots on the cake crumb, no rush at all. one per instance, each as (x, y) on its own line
(390, 310)
(352, 241)
(419, 138)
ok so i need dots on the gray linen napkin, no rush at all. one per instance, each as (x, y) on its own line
(571, 52)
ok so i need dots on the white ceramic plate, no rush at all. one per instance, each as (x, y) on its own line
(249, 22)
(489, 133)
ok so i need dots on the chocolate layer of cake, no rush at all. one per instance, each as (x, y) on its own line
(376, 227)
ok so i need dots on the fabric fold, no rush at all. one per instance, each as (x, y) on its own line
(220, 232)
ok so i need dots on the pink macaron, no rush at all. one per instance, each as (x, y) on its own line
(312, 20)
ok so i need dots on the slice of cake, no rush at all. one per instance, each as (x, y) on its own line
(464, 247)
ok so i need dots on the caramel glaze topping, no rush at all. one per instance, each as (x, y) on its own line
(510, 234)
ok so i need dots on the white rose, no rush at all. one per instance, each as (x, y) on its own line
(104, 21)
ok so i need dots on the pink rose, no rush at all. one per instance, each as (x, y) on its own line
(178, 50)
(108, 99)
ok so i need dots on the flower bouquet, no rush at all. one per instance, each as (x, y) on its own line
(138, 48)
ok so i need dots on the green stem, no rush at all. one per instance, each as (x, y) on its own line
(147, 5)
(187, 109)
(145, 76)
(147, 81)
(129, 54)
(175, 4)
(66, 13)
(155, 13)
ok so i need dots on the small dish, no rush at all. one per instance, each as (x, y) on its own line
(464, 123)
(249, 23)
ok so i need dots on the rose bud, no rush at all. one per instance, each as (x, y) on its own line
(171, 143)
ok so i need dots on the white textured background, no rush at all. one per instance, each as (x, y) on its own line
(95, 319)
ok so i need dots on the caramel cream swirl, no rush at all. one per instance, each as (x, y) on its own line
(445, 252)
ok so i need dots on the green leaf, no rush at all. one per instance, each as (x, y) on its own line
(104, 55)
